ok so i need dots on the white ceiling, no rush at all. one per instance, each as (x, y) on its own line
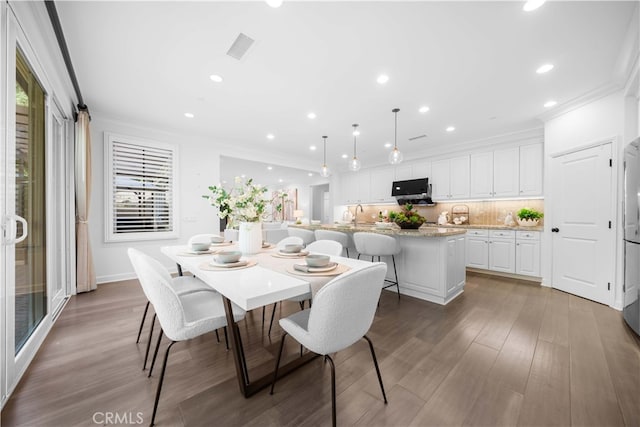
(472, 63)
(277, 177)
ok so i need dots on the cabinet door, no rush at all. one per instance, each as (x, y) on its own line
(363, 182)
(477, 252)
(440, 173)
(506, 172)
(349, 188)
(381, 182)
(531, 165)
(481, 175)
(404, 172)
(422, 170)
(502, 255)
(459, 177)
(528, 257)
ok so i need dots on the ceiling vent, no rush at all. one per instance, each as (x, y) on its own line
(240, 46)
(417, 137)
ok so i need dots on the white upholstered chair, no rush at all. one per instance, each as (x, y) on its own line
(181, 317)
(338, 236)
(182, 285)
(202, 238)
(374, 244)
(326, 247)
(341, 315)
(291, 240)
(307, 236)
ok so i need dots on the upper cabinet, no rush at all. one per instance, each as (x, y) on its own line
(505, 172)
(356, 187)
(531, 165)
(404, 172)
(450, 178)
(481, 174)
(381, 181)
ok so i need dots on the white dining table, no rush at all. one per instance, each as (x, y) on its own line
(269, 281)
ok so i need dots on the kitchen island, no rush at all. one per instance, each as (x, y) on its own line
(431, 263)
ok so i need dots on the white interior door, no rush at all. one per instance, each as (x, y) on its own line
(583, 242)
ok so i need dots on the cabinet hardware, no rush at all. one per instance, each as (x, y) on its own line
(555, 230)
(608, 286)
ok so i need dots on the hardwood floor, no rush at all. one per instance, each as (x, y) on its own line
(506, 352)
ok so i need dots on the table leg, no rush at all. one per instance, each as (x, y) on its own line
(249, 388)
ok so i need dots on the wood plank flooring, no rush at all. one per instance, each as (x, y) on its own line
(506, 352)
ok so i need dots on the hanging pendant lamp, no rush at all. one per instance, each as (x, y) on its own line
(354, 164)
(395, 156)
(324, 171)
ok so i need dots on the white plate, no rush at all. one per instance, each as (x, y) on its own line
(294, 255)
(307, 269)
(240, 263)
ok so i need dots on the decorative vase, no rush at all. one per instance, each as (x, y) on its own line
(528, 222)
(250, 237)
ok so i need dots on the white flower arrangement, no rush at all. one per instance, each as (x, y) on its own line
(243, 203)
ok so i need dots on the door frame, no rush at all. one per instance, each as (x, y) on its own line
(612, 202)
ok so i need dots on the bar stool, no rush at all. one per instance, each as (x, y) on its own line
(342, 238)
(373, 244)
(307, 236)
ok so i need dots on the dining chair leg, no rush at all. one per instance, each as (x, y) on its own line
(275, 371)
(146, 354)
(333, 389)
(301, 305)
(263, 317)
(164, 368)
(273, 313)
(217, 336)
(155, 353)
(375, 362)
(179, 269)
(393, 258)
(358, 256)
(144, 316)
(347, 249)
(226, 338)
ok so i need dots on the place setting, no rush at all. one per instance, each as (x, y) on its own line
(197, 249)
(218, 241)
(291, 251)
(318, 265)
(228, 260)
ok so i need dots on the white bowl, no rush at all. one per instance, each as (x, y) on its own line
(317, 260)
(226, 257)
(292, 249)
(199, 246)
(217, 239)
(528, 222)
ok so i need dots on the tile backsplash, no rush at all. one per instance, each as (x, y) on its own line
(480, 213)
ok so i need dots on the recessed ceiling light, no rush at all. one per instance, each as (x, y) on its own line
(311, 115)
(270, 168)
(382, 79)
(532, 5)
(344, 156)
(270, 136)
(274, 3)
(312, 147)
(310, 174)
(189, 115)
(243, 176)
(451, 129)
(550, 104)
(281, 180)
(424, 109)
(544, 68)
(224, 181)
(215, 78)
(388, 145)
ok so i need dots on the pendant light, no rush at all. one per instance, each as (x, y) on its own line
(354, 164)
(324, 171)
(395, 156)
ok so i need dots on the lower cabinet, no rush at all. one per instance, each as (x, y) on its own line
(506, 251)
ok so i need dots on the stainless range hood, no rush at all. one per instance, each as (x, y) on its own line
(414, 191)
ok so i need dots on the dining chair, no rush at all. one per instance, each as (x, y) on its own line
(326, 247)
(291, 240)
(338, 236)
(341, 315)
(202, 238)
(182, 285)
(306, 235)
(181, 317)
(374, 244)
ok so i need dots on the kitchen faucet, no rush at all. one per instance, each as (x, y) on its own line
(355, 214)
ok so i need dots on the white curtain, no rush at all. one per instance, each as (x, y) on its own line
(85, 273)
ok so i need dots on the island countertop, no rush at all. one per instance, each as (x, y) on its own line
(424, 231)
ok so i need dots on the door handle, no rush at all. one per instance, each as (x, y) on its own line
(25, 231)
(555, 230)
(12, 230)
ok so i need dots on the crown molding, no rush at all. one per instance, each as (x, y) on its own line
(581, 101)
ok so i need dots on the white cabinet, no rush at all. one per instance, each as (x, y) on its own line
(506, 167)
(450, 178)
(477, 249)
(494, 174)
(349, 188)
(363, 181)
(421, 170)
(404, 172)
(502, 251)
(381, 182)
(528, 253)
(531, 165)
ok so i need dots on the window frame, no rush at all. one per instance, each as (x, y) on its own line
(110, 236)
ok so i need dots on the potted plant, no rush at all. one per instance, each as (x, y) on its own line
(529, 217)
(407, 218)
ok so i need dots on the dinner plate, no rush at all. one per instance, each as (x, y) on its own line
(293, 255)
(305, 268)
(221, 244)
(240, 263)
